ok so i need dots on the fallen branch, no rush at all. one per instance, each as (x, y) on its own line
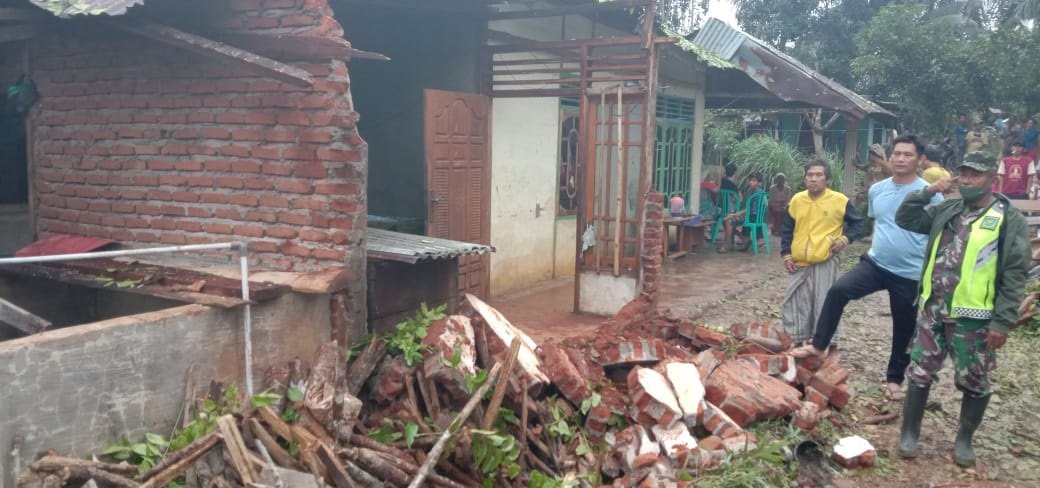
(880, 419)
(280, 455)
(502, 385)
(337, 472)
(375, 464)
(81, 470)
(56, 463)
(370, 443)
(438, 448)
(410, 469)
(236, 448)
(364, 365)
(179, 461)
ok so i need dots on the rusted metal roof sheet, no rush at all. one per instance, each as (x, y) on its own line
(785, 77)
(68, 8)
(62, 244)
(411, 248)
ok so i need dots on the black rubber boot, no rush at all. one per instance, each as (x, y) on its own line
(913, 413)
(973, 407)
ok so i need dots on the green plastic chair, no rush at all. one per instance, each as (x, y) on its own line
(729, 202)
(759, 201)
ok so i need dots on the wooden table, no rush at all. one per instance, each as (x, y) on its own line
(1027, 206)
(687, 235)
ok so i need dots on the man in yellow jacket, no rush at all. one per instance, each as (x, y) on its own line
(819, 223)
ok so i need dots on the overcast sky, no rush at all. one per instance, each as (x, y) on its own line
(723, 9)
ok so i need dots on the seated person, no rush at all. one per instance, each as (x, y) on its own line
(737, 218)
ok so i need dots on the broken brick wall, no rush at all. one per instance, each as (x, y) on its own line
(653, 240)
(138, 141)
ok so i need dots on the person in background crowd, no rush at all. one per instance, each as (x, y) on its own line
(977, 138)
(975, 269)
(932, 170)
(960, 132)
(1016, 173)
(818, 225)
(730, 171)
(779, 196)
(736, 219)
(1029, 139)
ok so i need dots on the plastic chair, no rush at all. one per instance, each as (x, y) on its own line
(729, 202)
(760, 202)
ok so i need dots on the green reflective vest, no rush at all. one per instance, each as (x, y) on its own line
(977, 289)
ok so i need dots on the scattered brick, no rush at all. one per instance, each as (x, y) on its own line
(446, 338)
(854, 452)
(701, 336)
(747, 395)
(635, 352)
(563, 374)
(807, 418)
(653, 401)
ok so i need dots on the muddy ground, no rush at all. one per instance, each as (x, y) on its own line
(1008, 442)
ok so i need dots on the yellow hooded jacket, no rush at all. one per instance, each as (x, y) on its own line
(813, 224)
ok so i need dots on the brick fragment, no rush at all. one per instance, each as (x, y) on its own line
(634, 352)
(808, 417)
(717, 422)
(446, 338)
(676, 442)
(707, 360)
(686, 384)
(563, 374)
(814, 396)
(829, 377)
(747, 395)
(653, 401)
(387, 384)
(702, 336)
(840, 396)
(854, 452)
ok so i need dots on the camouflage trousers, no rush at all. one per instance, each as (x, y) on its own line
(964, 341)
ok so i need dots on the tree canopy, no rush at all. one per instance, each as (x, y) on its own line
(932, 58)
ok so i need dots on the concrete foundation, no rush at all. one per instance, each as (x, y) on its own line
(605, 294)
(74, 389)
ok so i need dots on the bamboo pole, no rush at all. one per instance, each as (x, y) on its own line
(467, 410)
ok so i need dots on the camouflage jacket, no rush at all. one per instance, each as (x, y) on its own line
(916, 215)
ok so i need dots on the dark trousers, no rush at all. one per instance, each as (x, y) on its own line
(860, 281)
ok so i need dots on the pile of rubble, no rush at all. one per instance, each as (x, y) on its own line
(647, 399)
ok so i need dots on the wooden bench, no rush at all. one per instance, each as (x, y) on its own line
(688, 235)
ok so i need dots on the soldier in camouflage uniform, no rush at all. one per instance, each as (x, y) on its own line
(972, 283)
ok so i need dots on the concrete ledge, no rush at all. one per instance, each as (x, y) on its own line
(77, 388)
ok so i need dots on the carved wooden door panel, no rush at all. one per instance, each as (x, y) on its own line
(458, 178)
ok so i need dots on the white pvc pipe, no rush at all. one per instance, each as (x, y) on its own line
(242, 247)
(121, 252)
(247, 313)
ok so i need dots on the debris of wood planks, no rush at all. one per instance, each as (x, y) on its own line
(22, 319)
(662, 396)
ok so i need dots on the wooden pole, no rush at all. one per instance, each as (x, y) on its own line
(619, 204)
(848, 181)
(467, 410)
(697, 154)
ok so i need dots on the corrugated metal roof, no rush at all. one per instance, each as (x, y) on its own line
(68, 8)
(719, 37)
(411, 248)
(784, 76)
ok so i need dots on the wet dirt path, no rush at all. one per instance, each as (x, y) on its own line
(1008, 442)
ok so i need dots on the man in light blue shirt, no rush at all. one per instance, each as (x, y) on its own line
(893, 263)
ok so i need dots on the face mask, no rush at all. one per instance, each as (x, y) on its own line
(972, 194)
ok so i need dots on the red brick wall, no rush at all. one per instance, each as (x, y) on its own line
(653, 240)
(138, 141)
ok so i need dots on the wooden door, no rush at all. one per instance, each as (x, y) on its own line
(458, 178)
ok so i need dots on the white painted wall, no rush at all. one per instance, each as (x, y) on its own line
(525, 136)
